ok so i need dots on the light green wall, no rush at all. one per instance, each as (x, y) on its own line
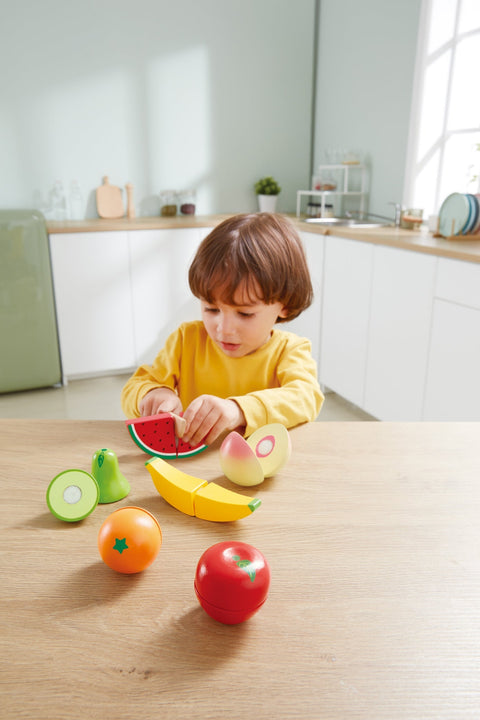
(364, 87)
(209, 94)
(204, 93)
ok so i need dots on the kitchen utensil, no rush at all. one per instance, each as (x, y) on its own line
(454, 214)
(130, 203)
(109, 200)
(473, 215)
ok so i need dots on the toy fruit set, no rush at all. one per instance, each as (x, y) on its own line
(73, 494)
(232, 579)
(130, 538)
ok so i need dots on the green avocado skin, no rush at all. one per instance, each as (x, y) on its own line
(113, 484)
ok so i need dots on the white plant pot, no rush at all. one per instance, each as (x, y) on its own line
(267, 203)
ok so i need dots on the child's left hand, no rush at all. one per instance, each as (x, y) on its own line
(209, 416)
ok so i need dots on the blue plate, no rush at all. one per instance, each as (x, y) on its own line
(468, 222)
(454, 214)
(474, 212)
(477, 224)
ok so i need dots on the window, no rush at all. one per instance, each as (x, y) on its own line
(444, 146)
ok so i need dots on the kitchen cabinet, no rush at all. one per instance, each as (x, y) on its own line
(308, 324)
(161, 297)
(452, 384)
(345, 317)
(375, 326)
(93, 302)
(119, 294)
(398, 333)
(395, 332)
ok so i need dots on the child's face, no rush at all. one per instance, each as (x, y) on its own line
(242, 328)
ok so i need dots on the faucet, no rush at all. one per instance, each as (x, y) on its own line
(399, 209)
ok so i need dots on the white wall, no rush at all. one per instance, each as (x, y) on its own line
(364, 87)
(210, 94)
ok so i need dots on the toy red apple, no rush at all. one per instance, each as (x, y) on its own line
(264, 453)
(232, 581)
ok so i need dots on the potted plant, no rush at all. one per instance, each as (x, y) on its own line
(267, 190)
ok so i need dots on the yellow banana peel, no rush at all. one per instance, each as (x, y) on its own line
(196, 497)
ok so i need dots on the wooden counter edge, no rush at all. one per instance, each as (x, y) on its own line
(416, 241)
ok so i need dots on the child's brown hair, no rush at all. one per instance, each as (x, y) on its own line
(263, 252)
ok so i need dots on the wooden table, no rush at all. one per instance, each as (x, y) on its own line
(372, 532)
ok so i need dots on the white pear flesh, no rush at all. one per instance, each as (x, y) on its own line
(271, 446)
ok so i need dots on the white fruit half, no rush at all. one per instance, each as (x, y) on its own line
(272, 447)
(238, 461)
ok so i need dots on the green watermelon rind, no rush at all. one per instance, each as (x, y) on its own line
(146, 448)
(194, 451)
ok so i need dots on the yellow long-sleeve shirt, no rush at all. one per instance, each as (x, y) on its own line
(276, 383)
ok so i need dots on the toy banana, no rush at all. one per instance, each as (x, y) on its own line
(196, 497)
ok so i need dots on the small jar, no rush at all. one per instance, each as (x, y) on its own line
(168, 203)
(314, 210)
(187, 202)
(328, 212)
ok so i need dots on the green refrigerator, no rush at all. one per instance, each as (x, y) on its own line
(29, 347)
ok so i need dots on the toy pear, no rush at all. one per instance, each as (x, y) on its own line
(112, 483)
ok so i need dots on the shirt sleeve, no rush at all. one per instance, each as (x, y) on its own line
(164, 372)
(298, 398)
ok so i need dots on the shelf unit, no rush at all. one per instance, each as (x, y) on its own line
(344, 168)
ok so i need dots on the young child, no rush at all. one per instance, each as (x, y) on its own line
(232, 370)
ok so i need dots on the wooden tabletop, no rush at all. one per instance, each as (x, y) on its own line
(372, 532)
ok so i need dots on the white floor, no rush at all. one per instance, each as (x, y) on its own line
(99, 399)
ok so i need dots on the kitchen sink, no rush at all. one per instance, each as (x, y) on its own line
(346, 222)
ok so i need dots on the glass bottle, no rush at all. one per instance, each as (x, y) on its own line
(75, 201)
(187, 202)
(168, 203)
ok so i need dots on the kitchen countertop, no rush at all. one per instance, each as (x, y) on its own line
(373, 604)
(417, 241)
(139, 223)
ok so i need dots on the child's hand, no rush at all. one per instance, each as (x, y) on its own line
(209, 416)
(160, 400)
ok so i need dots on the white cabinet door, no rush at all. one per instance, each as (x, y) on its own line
(161, 297)
(345, 314)
(308, 323)
(453, 385)
(453, 382)
(399, 330)
(93, 301)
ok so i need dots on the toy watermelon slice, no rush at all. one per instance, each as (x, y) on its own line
(155, 435)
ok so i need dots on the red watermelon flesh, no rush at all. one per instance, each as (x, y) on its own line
(155, 435)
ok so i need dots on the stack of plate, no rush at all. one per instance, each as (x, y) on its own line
(459, 215)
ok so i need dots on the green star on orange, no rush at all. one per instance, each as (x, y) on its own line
(120, 545)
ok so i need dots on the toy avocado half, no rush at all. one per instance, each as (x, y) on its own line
(112, 483)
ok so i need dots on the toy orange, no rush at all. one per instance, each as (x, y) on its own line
(129, 540)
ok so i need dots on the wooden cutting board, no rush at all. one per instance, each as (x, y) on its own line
(109, 200)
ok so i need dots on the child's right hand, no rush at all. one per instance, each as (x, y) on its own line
(160, 400)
